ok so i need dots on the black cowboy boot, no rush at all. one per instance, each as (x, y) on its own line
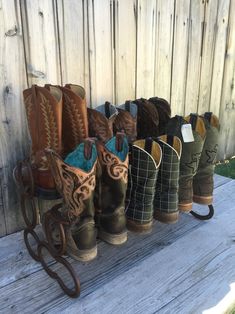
(111, 189)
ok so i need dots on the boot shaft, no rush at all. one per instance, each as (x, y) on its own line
(75, 177)
(145, 161)
(44, 115)
(203, 184)
(167, 186)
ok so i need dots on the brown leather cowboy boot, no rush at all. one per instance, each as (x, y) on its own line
(74, 119)
(75, 179)
(44, 115)
(110, 201)
(126, 120)
(164, 113)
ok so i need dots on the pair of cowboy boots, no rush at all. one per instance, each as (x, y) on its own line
(112, 175)
(153, 182)
(57, 119)
(198, 157)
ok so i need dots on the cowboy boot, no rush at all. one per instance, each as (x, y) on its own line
(100, 126)
(164, 113)
(74, 117)
(126, 121)
(203, 184)
(191, 152)
(111, 192)
(145, 161)
(44, 115)
(147, 119)
(167, 186)
(75, 179)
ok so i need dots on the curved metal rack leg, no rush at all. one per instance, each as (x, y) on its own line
(22, 175)
(204, 217)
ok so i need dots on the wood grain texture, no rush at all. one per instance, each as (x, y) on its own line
(115, 281)
(101, 54)
(125, 50)
(227, 107)
(14, 141)
(39, 20)
(73, 41)
(195, 37)
(180, 56)
(208, 49)
(219, 55)
(145, 54)
(164, 45)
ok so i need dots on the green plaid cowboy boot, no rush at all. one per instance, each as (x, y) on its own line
(167, 186)
(146, 156)
(111, 192)
(203, 184)
(75, 179)
(191, 152)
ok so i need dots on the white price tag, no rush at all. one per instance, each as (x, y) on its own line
(187, 133)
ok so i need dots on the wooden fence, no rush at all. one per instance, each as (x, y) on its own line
(182, 50)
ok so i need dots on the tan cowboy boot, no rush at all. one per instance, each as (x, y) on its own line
(75, 179)
(74, 120)
(44, 115)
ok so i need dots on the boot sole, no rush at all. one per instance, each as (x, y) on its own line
(82, 255)
(114, 239)
(168, 218)
(203, 200)
(139, 228)
(185, 207)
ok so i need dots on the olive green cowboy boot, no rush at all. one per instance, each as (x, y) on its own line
(111, 189)
(145, 160)
(167, 186)
(203, 184)
(191, 152)
(75, 179)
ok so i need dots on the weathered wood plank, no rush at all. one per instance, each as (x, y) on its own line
(164, 46)
(73, 42)
(219, 55)
(114, 263)
(100, 17)
(125, 50)
(186, 277)
(180, 56)
(196, 20)
(41, 41)
(227, 107)
(208, 49)
(14, 141)
(146, 43)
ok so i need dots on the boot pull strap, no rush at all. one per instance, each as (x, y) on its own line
(119, 141)
(148, 144)
(170, 140)
(88, 148)
(107, 109)
(37, 122)
(207, 116)
(127, 105)
(193, 120)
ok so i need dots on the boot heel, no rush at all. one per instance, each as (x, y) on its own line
(114, 239)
